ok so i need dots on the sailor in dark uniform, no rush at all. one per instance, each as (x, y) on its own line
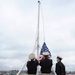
(32, 65)
(60, 68)
(46, 64)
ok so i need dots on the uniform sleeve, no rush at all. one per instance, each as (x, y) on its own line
(27, 64)
(37, 62)
(57, 69)
(65, 70)
(51, 62)
(40, 63)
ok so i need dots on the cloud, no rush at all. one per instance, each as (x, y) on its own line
(18, 26)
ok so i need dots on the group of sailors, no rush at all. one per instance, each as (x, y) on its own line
(46, 65)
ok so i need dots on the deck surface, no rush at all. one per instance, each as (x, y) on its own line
(50, 74)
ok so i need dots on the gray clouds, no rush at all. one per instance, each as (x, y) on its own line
(18, 23)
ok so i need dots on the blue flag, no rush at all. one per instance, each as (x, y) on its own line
(45, 49)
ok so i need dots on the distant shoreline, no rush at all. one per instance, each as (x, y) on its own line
(14, 72)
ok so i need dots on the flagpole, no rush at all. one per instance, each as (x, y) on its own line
(38, 30)
(38, 33)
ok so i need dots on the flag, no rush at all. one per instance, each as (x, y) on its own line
(45, 49)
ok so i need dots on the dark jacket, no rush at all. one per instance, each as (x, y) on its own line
(60, 69)
(46, 65)
(32, 66)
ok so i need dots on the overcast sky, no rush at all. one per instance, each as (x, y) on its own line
(18, 26)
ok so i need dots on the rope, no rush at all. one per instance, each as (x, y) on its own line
(36, 40)
(34, 47)
(21, 69)
(37, 30)
(43, 24)
(26, 62)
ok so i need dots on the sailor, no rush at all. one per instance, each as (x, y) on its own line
(46, 64)
(32, 65)
(60, 67)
